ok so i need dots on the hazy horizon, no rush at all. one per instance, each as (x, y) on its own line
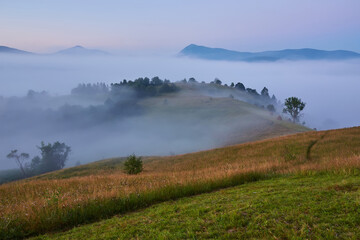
(316, 82)
(163, 27)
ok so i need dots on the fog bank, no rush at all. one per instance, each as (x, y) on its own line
(330, 90)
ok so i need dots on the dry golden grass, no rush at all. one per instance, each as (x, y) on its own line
(32, 201)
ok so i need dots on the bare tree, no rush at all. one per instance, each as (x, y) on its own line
(19, 159)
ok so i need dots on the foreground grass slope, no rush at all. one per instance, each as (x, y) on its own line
(320, 206)
(62, 200)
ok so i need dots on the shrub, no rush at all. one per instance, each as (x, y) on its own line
(133, 165)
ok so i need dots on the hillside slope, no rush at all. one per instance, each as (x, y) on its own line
(221, 121)
(49, 203)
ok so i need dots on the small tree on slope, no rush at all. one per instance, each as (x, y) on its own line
(133, 165)
(294, 106)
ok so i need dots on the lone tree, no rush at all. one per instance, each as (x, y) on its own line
(133, 165)
(294, 106)
(19, 159)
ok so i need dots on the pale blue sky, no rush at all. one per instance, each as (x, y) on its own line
(167, 26)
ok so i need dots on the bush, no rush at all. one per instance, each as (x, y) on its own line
(133, 165)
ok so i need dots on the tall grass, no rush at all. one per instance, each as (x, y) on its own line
(47, 204)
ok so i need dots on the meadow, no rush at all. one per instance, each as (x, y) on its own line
(84, 194)
(316, 206)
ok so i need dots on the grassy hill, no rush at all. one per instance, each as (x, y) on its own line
(88, 193)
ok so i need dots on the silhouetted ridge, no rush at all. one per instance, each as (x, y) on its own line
(288, 54)
(8, 50)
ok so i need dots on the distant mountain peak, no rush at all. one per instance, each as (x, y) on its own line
(208, 53)
(81, 51)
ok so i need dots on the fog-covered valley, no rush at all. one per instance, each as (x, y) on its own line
(330, 90)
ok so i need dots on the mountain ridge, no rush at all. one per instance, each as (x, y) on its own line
(76, 50)
(203, 52)
(9, 50)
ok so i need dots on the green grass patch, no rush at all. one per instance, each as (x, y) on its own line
(320, 206)
(56, 218)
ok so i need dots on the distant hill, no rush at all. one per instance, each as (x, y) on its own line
(81, 51)
(74, 51)
(203, 52)
(8, 50)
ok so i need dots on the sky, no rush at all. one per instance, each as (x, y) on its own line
(165, 27)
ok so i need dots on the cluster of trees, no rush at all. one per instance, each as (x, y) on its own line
(261, 99)
(53, 157)
(145, 87)
(292, 106)
(91, 89)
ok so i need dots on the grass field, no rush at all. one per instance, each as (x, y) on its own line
(320, 206)
(64, 199)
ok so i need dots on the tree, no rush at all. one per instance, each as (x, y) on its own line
(19, 159)
(192, 80)
(252, 92)
(273, 99)
(53, 156)
(156, 81)
(232, 85)
(240, 86)
(35, 165)
(133, 165)
(217, 81)
(265, 92)
(294, 106)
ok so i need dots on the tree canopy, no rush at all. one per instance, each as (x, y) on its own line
(294, 106)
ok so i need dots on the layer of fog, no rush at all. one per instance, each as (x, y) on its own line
(121, 126)
(330, 90)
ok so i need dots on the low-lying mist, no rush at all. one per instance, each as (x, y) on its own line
(330, 90)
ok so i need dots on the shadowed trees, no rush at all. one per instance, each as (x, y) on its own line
(53, 156)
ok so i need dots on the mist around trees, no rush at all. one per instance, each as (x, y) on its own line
(52, 157)
(116, 115)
